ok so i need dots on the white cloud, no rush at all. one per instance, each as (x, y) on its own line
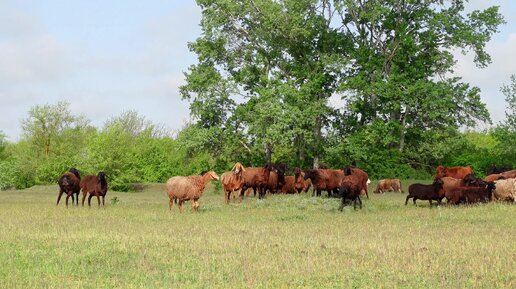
(491, 78)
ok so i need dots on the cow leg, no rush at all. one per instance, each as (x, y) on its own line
(67, 197)
(89, 200)
(227, 195)
(242, 191)
(59, 197)
(83, 197)
(170, 203)
(360, 201)
(414, 200)
(406, 200)
(430, 201)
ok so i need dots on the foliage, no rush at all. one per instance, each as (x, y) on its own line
(510, 97)
(267, 70)
(46, 123)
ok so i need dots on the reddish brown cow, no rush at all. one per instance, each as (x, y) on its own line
(454, 172)
(324, 179)
(301, 185)
(350, 189)
(362, 176)
(232, 181)
(472, 194)
(256, 178)
(494, 177)
(289, 185)
(509, 174)
(387, 185)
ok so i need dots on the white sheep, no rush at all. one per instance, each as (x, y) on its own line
(188, 188)
(505, 190)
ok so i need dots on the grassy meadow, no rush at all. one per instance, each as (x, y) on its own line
(293, 241)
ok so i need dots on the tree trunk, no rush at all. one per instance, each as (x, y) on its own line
(268, 152)
(318, 139)
(402, 133)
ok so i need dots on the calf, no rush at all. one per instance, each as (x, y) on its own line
(387, 185)
(425, 192)
(350, 189)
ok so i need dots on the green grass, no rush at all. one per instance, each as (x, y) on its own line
(282, 242)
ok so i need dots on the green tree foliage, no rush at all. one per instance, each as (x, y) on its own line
(403, 52)
(510, 97)
(267, 70)
(46, 123)
(505, 133)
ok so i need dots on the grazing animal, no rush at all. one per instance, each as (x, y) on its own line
(509, 174)
(189, 188)
(505, 190)
(232, 181)
(425, 192)
(69, 183)
(494, 177)
(454, 172)
(289, 185)
(388, 185)
(276, 178)
(256, 178)
(350, 189)
(363, 177)
(301, 184)
(472, 195)
(449, 186)
(325, 179)
(95, 186)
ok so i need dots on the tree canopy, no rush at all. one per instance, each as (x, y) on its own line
(268, 71)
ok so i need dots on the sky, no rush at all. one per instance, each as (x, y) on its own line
(106, 57)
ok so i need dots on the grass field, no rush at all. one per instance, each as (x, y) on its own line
(281, 242)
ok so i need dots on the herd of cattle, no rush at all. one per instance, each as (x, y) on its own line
(456, 184)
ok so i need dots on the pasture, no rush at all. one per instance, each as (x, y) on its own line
(284, 241)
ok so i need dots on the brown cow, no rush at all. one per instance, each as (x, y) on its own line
(363, 176)
(494, 177)
(388, 185)
(509, 174)
(472, 195)
(454, 172)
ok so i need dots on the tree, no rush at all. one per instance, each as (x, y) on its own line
(510, 97)
(46, 123)
(401, 75)
(132, 123)
(267, 70)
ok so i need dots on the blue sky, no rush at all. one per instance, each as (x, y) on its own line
(107, 57)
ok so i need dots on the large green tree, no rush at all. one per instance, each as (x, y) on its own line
(404, 61)
(267, 70)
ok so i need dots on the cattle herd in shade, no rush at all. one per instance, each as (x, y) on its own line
(458, 185)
